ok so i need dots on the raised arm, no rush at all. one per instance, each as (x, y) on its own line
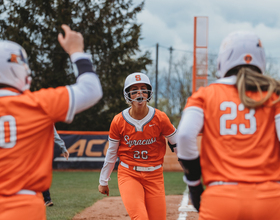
(87, 91)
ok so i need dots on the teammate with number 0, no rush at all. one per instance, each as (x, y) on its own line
(239, 117)
(137, 136)
(27, 124)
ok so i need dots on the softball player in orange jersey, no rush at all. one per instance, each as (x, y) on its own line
(137, 136)
(26, 125)
(239, 116)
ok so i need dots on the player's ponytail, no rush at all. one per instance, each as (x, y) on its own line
(250, 80)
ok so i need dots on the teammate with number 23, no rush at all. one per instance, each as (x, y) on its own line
(239, 117)
(27, 124)
(137, 136)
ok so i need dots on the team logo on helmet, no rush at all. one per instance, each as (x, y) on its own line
(137, 77)
(13, 59)
(20, 58)
(248, 58)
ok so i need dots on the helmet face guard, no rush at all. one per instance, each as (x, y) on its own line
(136, 78)
(240, 48)
(127, 96)
(14, 68)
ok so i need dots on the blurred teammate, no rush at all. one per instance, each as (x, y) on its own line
(137, 136)
(26, 124)
(65, 153)
(239, 116)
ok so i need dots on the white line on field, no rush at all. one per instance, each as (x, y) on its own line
(184, 206)
(80, 159)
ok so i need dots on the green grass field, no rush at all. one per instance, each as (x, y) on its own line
(72, 192)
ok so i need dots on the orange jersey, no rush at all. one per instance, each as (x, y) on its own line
(141, 142)
(27, 137)
(238, 144)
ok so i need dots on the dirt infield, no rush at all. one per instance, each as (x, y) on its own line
(112, 208)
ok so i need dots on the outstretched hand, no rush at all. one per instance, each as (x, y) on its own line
(72, 41)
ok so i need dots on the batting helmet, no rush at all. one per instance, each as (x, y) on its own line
(135, 78)
(14, 68)
(240, 48)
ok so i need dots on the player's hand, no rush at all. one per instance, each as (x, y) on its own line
(66, 155)
(103, 189)
(72, 41)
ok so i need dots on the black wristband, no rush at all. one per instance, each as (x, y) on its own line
(172, 146)
(191, 168)
(84, 66)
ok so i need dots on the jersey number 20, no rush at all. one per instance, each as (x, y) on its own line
(140, 154)
(232, 115)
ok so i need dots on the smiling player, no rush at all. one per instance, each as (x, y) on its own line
(137, 136)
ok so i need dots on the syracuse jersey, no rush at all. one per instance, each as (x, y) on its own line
(27, 136)
(238, 144)
(141, 142)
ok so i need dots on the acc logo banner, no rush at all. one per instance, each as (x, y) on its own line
(86, 149)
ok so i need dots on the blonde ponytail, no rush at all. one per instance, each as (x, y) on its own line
(250, 80)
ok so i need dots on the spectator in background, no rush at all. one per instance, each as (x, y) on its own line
(65, 153)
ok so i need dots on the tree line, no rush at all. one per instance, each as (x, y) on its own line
(111, 36)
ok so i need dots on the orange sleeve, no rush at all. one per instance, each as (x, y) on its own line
(114, 132)
(167, 128)
(197, 99)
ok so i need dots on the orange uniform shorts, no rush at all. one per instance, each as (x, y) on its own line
(142, 193)
(23, 207)
(244, 201)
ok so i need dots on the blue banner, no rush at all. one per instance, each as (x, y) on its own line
(87, 150)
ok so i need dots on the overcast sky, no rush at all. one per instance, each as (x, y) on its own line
(170, 23)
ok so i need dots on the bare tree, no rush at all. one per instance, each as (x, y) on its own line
(175, 85)
(272, 68)
(174, 88)
(212, 65)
